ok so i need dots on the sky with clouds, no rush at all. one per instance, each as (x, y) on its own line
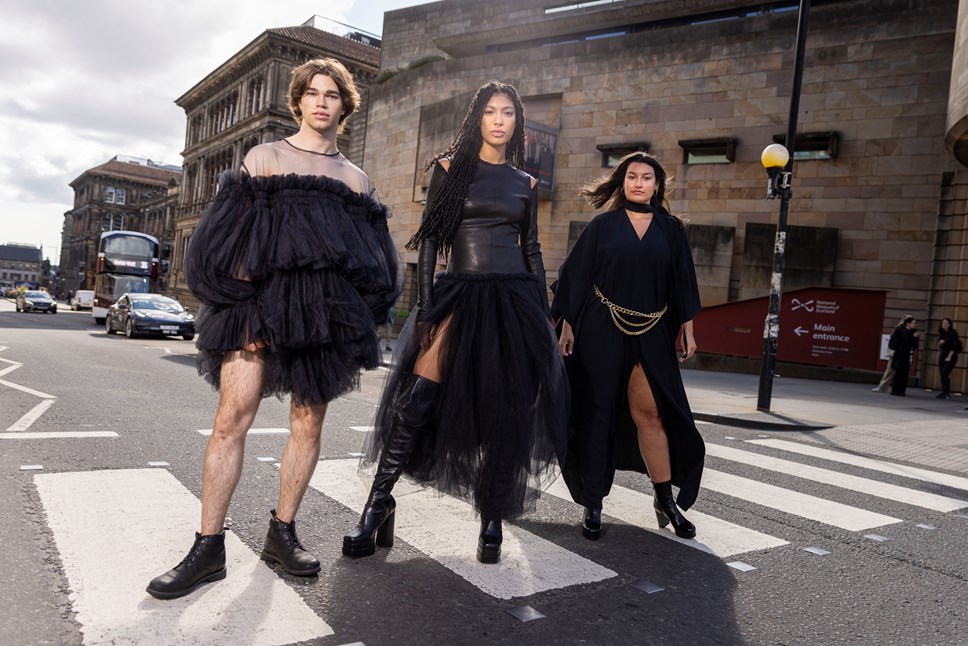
(85, 81)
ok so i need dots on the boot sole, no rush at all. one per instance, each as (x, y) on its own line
(591, 534)
(211, 578)
(358, 551)
(489, 554)
(268, 558)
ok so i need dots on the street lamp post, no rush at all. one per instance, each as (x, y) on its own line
(778, 161)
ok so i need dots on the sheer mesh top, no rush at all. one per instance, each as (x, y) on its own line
(283, 158)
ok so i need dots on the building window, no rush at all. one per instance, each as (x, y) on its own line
(812, 145)
(109, 195)
(612, 153)
(708, 151)
(119, 195)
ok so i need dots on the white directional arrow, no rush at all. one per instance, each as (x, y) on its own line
(800, 331)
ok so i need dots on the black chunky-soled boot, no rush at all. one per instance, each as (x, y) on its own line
(667, 512)
(489, 543)
(205, 563)
(591, 524)
(282, 546)
(415, 415)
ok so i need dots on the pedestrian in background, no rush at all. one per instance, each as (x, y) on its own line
(476, 404)
(295, 266)
(625, 293)
(904, 340)
(386, 331)
(888, 375)
(949, 347)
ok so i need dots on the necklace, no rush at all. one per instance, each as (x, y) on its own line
(311, 152)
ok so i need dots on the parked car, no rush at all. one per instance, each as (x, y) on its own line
(36, 301)
(82, 300)
(154, 314)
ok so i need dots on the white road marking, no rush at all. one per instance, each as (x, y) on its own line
(154, 518)
(715, 536)
(446, 530)
(31, 467)
(792, 502)
(31, 416)
(29, 391)
(252, 431)
(158, 464)
(915, 473)
(362, 429)
(835, 478)
(32, 435)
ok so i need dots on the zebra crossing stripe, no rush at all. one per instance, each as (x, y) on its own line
(151, 519)
(813, 508)
(915, 473)
(835, 478)
(716, 536)
(446, 529)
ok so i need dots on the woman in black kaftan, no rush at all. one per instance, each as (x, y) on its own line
(624, 292)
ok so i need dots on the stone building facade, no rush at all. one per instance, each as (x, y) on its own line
(20, 265)
(243, 103)
(705, 85)
(126, 193)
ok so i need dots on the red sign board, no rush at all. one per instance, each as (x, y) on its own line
(826, 326)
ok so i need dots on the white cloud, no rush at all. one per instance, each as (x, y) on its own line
(85, 81)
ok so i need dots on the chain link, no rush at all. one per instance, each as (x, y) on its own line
(616, 311)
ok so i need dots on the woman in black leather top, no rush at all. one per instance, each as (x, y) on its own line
(476, 403)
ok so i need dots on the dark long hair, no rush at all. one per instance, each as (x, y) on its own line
(950, 330)
(607, 189)
(443, 214)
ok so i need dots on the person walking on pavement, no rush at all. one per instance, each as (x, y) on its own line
(298, 228)
(888, 375)
(904, 340)
(949, 347)
(477, 402)
(625, 293)
(386, 331)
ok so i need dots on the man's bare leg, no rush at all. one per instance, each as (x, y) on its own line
(299, 458)
(240, 395)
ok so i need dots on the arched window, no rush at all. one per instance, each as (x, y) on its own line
(109, 195)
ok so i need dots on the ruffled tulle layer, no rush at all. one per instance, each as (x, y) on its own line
(502, 411)
(301, 262)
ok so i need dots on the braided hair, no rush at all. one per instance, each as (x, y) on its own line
(443, 214)
(608, 188)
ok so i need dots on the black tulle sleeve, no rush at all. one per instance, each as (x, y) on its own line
(576, 275)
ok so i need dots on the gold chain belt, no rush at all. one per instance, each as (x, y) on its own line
(620, 321)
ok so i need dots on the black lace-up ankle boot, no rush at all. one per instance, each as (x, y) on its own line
(414, 419)
(205, 563)
(667, 512)
(282, 546)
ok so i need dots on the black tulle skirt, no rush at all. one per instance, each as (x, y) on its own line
(302, 263)
(503, 408)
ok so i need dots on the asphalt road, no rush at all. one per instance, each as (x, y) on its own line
(76, 520)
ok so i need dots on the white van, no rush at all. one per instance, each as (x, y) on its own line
(82, 300)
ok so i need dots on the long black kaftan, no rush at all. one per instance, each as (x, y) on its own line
(643, 275)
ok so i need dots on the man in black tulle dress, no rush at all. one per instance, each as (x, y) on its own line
(295, 267)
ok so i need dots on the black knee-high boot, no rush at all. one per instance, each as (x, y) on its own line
(667, 512)
(414, 417)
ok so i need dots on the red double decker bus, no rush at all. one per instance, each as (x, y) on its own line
(127, 262)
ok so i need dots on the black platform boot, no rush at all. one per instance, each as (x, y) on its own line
(414, 418)
(591, 524)
(205, 563)
(282, 546)
(489, 543)
(666, 511)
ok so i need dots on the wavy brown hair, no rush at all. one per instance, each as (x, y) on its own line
(607, 189)
(303, 75)
(442, 215)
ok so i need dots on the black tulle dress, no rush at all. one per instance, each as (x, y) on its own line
(300, 261)
(503, 405)
(644, 275)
